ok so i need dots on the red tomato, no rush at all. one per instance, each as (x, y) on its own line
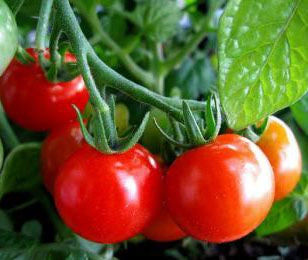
(109, 198)
(280, 146)
(221, 191)
(163, 228)
(33, 102)
(57, 147)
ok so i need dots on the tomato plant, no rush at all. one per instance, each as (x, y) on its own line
(8, 36)
(171, 76)
(221, 191)
(57, 147)
(280, 146)
(33, 102)
(109, 198)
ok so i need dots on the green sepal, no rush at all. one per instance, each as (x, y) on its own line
(87, 136)
(129, 141)
(23, 56)
(169, 138)
(194, 133)
(100, 138)
(260, 130)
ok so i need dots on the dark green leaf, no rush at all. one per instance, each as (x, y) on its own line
(5, 222)
(263, 58)
(300, 113)
(15, 240)
(32, 228)
(21, 169)
(194, 78)
(158, 19)
(288, 211)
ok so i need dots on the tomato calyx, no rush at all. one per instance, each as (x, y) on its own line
(104, 135)
(254, 132)
(198, 128)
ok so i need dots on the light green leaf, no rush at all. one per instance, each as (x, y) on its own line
(263, 58)
(300, 113)
(288, 211)
(21, 169)
(158, 19)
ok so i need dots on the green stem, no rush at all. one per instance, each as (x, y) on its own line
(7, 134)
(140, 74)
(16, 5)
(177, 59)
(159, 76)
(106, 75)
(42, 25)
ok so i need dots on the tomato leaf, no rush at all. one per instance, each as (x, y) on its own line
(158, 19)
(300, 112)
(21, 169)
(195, 77)
(288, 211)
(262, 58)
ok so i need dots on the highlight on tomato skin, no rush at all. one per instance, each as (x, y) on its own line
(56, 149)
(221, 191)
(109, 198)
(281, 148)
(36, 104)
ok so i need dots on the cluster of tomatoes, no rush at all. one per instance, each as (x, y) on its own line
(217, 192)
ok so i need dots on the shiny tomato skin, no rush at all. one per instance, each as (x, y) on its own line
(281, 148)
(163, 228)
(34, 103)
(221, 191)
(57, 147)
(109, 198)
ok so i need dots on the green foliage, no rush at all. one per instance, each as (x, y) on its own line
(300, 113)
(262, 58)
(158, 19)
(288, 211)
(194, 78)
(5, 222)
(21, 169)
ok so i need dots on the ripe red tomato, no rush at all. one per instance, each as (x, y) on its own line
(33, 102)
(281, 148)
(57, 147)
(109, 198)
(221, 191)
(163, 228)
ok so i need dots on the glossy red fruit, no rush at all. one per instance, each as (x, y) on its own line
(221, 191)
(109, 198)
(281, 148)
(57, 147)
(163, 228)
(33, 102)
